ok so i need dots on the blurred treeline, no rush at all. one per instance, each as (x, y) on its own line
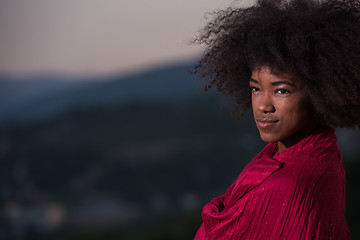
(134, 170)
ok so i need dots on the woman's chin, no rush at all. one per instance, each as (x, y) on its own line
(268, 138)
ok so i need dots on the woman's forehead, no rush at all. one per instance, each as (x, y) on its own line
(268, 72)
(265, 69)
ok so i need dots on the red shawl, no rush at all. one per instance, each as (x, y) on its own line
(297, 194)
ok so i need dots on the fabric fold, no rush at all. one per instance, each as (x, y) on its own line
(278, 197)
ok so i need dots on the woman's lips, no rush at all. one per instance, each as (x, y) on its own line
(266, 122)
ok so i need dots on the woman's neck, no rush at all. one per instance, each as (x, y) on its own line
(283, 145)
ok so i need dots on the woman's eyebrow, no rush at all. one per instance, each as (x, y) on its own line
(277, 83)
(282, 82)
(253, 80)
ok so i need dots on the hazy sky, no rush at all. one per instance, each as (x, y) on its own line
(98, 36)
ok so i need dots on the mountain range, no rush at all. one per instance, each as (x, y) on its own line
(38, 98)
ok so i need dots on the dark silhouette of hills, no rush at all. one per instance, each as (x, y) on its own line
(39, 98)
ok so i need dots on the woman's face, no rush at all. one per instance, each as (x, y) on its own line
(281, 111)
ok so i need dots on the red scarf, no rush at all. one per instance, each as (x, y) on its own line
(298, 194)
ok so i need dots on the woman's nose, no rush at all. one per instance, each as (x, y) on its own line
(265, 103)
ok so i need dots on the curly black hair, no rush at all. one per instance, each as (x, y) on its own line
(316, 41)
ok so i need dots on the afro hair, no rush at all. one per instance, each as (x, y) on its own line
(316, 41)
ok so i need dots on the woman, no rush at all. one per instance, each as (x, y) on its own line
(301, 59)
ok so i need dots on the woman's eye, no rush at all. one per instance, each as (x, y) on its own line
(254, 89)
(282, 91)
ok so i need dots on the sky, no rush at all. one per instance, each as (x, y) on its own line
(99, 36)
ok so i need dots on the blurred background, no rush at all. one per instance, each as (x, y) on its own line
(104, 134)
